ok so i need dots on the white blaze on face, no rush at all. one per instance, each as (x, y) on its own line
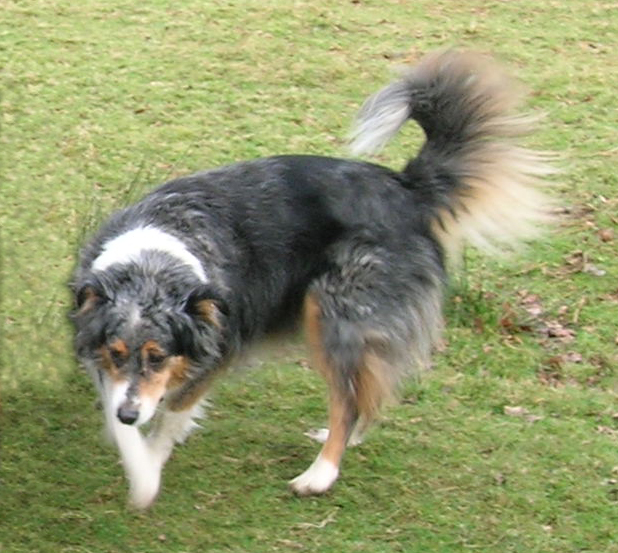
(116, 392)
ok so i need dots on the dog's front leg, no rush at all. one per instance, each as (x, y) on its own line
(172, 427)
(177, 420)
(142, 468)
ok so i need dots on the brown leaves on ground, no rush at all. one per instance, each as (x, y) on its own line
(555, 332)
(584, 219)
(606, 234)
(536, 321)
(579, 262)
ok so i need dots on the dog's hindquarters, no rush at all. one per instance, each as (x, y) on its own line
(369, 321)
(377, 312)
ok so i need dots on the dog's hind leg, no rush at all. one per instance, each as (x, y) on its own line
(368, 324)
(357, 387)
(343, 413)
(357, 436)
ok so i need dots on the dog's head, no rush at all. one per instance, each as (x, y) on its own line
(144, 337)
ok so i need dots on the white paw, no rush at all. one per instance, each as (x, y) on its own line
(357, 437)
(320, 435)
(144, 488)
(317, 434)
(318, 478)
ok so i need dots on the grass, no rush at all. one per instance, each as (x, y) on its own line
(508, 444)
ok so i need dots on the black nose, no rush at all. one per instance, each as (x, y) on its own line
(127, 413)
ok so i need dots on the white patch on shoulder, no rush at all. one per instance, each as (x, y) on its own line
(318, 478)
(128, 247)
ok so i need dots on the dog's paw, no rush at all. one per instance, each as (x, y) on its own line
(143, 493)
(317, 479)
(144, 483)
(317, 434)
(320, 435)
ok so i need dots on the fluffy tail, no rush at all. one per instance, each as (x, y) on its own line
(472, 177)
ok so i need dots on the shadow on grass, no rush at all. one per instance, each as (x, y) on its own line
(63, 488)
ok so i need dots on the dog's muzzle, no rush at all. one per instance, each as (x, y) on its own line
(128, 412)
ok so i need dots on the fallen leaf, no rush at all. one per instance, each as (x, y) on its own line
(551, 377)
(500, 479)
(554, 329)
(575, 261)
(531, 303)
(579, 262)
(515, 411)
(519, 411)
(329, 518)
(606, 234)
(555, 362)
(479, 326)
(573, 357)
(607, 431)
(593, 270)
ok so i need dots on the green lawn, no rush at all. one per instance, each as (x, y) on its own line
(510, 443)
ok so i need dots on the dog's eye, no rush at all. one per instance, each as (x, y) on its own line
(155, 359)
(153, 355)
(118, 357)
(118, 352)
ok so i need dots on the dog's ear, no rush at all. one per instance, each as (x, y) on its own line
(88, 296)
(207, 303)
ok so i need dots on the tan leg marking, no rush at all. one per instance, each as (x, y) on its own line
(342, 416)
(374, 386)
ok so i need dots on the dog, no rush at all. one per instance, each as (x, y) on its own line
(171, 290)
